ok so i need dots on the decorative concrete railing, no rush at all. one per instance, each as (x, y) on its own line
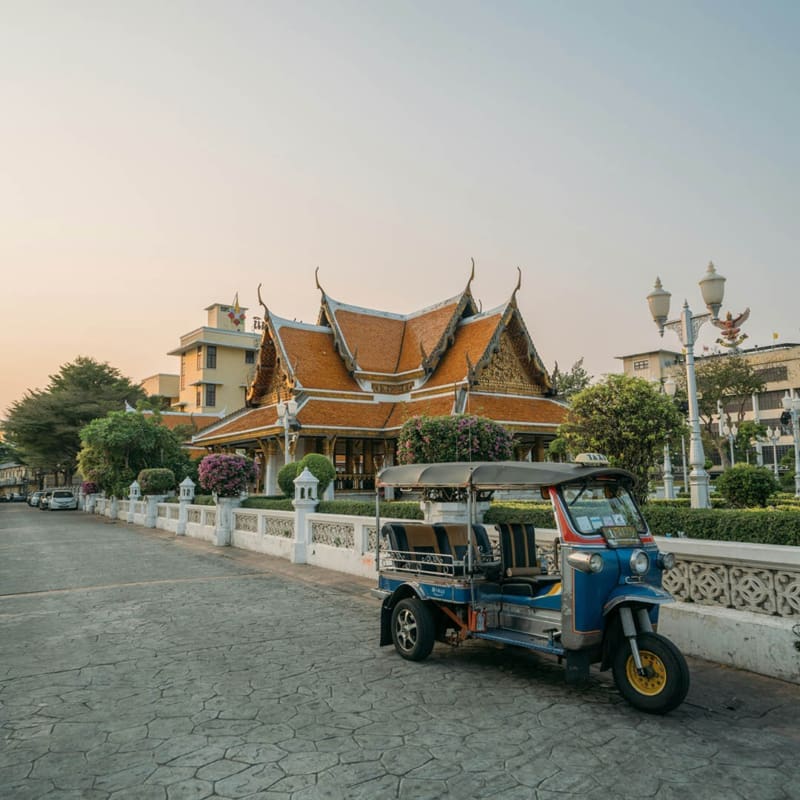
(737, 603)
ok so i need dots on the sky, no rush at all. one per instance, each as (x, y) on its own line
(157, 157)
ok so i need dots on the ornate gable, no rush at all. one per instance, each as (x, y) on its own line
(271, 378)
(512, 365)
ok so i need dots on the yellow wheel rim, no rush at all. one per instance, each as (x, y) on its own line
(655, 679)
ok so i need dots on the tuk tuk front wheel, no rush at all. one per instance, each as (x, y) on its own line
(665, 682)
(413, 629)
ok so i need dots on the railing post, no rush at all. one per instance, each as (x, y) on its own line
(134, 493)
(305, 501)
(186, 497)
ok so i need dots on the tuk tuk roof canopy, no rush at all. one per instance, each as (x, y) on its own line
(491, 474)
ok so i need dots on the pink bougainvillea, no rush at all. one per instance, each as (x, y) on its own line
(226, 475)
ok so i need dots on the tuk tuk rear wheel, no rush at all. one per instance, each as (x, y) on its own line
(666, 683)
(413, 629)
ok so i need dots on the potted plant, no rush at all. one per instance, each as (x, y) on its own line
(226, 477)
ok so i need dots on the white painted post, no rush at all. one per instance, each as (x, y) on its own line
(186, 497)
(305, 501)
(134, 493)
(223, 524)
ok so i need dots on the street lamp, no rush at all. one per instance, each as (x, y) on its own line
(712, 287)
(731, 432)
(286, 414)
(791, 405)
(670, 387)
(773, 434)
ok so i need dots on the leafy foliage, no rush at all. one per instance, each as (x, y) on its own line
(390, 509)
(286, 475)
(318, 465)
(566, 384)
(462, 437)
(118, 446)
(746, 486)
(45, 424)
(227, 475)
(627, 420)
(156, 480)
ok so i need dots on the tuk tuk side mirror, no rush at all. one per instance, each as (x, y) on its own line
(545, 492)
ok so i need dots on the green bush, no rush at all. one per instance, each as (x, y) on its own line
(270, 503)
(538, 514)
(320, 467)
(286, 475)
(156, 481)
(398, 509)
(746, 486)
(462, 437)
(760, 526)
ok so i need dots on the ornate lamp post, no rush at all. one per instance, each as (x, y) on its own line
(670, 387)
(791, 405)
(773, 434)
(712, 287)
(731, 432)
(286, 414)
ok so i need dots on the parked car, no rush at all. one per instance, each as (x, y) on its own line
(4, 498)
(17, 497)
(62, 499)
(33, 500)
(44, 500)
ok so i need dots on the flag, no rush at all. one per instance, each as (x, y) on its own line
(775, 336)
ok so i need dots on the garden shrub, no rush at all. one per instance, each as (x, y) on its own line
(746, 486)
(540, 515)
(320, 467)
(286, 475)
(462, 437)
(226, 475)
(156, 481)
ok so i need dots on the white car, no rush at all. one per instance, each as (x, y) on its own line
(62, 499)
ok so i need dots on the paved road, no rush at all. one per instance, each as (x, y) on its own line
(137, 665)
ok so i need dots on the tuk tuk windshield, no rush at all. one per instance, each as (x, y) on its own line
(604, 506)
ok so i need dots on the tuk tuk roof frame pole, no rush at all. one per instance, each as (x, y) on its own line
(712, 286)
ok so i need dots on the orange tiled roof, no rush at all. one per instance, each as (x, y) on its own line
(471, 339)
(254, 419)
(511, 409)
(313, 358)
(425, 329)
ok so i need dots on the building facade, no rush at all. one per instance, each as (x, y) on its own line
(217, 363)
(777, 365)
(344, 386)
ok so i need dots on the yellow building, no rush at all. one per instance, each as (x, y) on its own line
(217, 362)
(163, 384)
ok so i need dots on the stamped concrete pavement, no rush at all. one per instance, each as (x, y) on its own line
(134, 664)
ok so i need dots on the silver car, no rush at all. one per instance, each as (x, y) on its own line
(62, 499)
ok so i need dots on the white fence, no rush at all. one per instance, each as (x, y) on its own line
(738, 603)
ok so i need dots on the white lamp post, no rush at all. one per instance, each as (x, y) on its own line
(792, 405)
(670, 387)
(773, 434)
(286, 413)
(731, 432)
(712, 287)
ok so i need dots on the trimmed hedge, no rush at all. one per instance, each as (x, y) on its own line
(358, 508)
(538, 514)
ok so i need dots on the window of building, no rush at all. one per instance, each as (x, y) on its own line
(643, 364)
(198, 398)
(211, 356)
(211, 394)
(199, 356)
(183, 370)
(249, 356)
(773, 374)
(768, 401)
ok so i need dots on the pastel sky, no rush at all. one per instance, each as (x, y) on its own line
(161, 156)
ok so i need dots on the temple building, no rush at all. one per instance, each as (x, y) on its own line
(344, 386)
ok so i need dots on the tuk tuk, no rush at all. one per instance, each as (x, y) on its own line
(594, 601)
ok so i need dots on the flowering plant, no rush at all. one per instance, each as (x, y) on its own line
(462, 437)
(89, 487)
(226, 475)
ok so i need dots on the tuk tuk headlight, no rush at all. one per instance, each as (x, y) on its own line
(640, 562)
(586, 562)
(666, 561)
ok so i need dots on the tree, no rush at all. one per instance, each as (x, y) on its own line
(115, 448)
(567, 384)
(45, 424)
(731, 381)
(626, 419)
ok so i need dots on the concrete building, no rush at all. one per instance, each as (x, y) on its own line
(217, 363)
